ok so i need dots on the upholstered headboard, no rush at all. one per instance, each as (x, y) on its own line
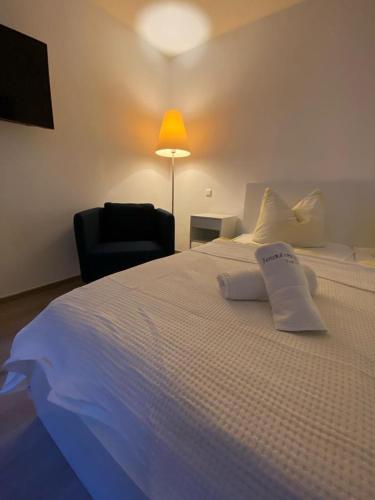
(350, 207)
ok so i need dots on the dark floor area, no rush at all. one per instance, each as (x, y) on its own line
(31, 466)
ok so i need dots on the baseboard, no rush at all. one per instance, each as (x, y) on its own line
(39, 289)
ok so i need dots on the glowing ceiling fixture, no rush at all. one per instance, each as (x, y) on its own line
(173, 27)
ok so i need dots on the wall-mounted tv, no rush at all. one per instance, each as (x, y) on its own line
(25, 94)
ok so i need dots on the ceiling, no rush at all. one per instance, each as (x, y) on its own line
(217, 16)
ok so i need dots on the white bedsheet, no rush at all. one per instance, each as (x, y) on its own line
(213, 402)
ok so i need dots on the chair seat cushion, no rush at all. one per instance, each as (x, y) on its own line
(129, 222)
(111, 257)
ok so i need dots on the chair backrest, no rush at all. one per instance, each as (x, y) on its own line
(129, 222)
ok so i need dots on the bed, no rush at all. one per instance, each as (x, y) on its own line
(153, 386)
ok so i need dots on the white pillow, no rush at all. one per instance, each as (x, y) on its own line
(245, 238)
(365, 256)
(300, 226)
(330, 251)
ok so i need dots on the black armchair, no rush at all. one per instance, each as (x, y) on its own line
(121, 235)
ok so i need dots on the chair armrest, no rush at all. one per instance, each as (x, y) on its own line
(87, 229)
(165, 225)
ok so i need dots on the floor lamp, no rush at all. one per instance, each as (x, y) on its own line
(173, 141)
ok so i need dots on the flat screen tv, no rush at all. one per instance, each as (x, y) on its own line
(25, 94)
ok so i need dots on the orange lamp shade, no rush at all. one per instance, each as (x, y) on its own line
(173, 139)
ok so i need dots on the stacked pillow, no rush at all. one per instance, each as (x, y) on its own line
(365, 256)
(300, 226)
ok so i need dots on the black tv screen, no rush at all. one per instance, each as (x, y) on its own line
(25, 94)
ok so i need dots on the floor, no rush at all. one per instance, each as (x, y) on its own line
(31, 466)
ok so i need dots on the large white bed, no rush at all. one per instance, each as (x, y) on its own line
(154, 386)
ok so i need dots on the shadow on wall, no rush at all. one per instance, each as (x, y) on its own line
(132, 131)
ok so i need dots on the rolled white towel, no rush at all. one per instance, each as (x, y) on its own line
(249, 284)
(292, 306)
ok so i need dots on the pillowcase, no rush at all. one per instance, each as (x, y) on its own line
(245, 238)
(300, 226)
(331, 251)
(365, 256)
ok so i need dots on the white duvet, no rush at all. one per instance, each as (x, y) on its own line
(212, 401)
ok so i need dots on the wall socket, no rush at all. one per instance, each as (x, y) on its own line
(208, 192)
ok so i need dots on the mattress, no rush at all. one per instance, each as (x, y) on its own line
(211, 401)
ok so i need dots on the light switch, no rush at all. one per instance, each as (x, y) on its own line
(208, 192)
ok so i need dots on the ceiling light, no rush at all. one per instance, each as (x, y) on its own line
(173, 27)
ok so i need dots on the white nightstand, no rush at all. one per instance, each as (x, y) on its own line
(207, 227)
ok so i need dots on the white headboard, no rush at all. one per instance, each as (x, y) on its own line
(350, 207)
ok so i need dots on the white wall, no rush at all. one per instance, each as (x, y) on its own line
(288, 97)
(109, 89)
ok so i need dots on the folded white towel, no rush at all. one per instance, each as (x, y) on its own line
(249, 284)
(293, 308)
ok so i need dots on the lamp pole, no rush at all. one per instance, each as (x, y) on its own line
(172, 158)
